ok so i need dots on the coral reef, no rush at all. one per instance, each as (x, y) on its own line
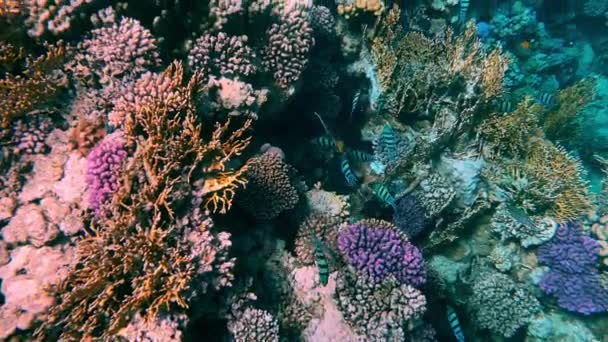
(573, 277)
(501, 305)
(270, 187)
(378, 250)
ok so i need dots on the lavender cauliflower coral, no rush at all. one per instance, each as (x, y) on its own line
(377, 249)
(573, 277)
(103, 165)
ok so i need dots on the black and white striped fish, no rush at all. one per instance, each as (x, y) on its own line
(380, 104)
(389, 140)
(546, 99)
(504, 105)
(347, 172)
(359, 155)
(355, 103)
(464, 8)
(382, 192)
(320, 260)
(325, 141)
(455, 324)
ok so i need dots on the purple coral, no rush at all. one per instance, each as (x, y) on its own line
(410, 216)
(103, 164)
(573, 277)
(376, 249)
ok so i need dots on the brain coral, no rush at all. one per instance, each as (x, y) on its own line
(377, 249)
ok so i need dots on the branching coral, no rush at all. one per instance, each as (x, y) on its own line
(254, 325)
(410, 216)
(9, 8)
(561, 122)
(149, 254)
(509, 135)
(573, 276)
(222, 55)
(516, 224)
(501, 305)
(349, 8)
(289, 42)
(40, 82)
(378, 311)
(563, 174)
(270, 187)
(104, 164)
(378, 250)
(122, 50)
(416, 72)
(54, 17)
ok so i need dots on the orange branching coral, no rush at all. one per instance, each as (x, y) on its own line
(42, 80)
(560, 122)
(9, 8)
(561, 172)
(9, 54)
(509, 135)
(147, 246)
(416, 72)
(87, 133)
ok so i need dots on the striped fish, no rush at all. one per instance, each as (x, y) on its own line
(455, 324)
(355, 103)
(504, 105)
(380, 104)
(359, 155)
(389, 140)
(321, 260)
(382, 192)
(325, 141)
(520, 216)
(464, 7)
(546, 99)
(347, 171)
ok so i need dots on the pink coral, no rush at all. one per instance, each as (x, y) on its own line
(26, 281)
(222, 55)
(234, 97)
(103, 166)
(124, 49)
(55, 17)
(30, 133)
(221, 9)
(289, 43)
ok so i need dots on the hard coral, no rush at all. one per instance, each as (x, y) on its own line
(222, 55)
(289, 42)
(104, 166)
(143, 257)
(123, 50)
(573, 276)
(40, 82)
(501, 305)
(378, 311)
(54, 17)
(410, 216)
(254, 325)
(270, 187)
(378, 250)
